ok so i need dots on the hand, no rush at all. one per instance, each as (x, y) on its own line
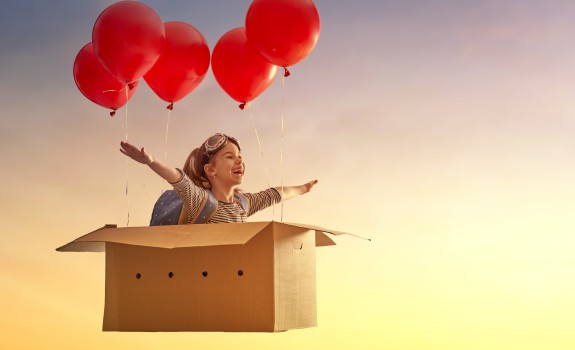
(289, 192)
(309, 185)
(139, 155)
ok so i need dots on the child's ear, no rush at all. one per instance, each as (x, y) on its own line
(209, 170)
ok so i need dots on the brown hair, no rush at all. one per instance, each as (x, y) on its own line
(194, 168)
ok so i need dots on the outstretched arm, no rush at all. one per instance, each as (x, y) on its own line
(288, 192)
(170, 174)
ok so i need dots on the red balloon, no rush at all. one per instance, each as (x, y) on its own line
(182, 65)
(239, 69)
(128, 37)
(96, 83)
(283, 31)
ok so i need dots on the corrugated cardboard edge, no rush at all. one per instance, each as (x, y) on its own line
(79, 245)
(174, 236)
(295, 276)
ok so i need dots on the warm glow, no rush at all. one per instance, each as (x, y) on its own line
(441, 130)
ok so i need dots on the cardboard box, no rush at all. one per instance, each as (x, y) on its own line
(239, 277)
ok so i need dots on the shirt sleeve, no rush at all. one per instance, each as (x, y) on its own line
(192, 196)
(261, 200)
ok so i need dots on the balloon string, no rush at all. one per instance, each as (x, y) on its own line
(127, 197)
(166, 139)
(249, 105)
(282, 151)
(126, 119)
(166, 142)
(126, 138)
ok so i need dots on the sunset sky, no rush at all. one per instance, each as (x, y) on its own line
(443, 130)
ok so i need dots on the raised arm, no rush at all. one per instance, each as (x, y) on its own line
(169, 173)
(294, 191)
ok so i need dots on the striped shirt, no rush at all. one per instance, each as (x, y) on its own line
(193, 196)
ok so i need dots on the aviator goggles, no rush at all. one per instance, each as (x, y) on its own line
(216, 142)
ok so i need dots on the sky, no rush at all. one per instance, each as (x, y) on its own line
(441, 130)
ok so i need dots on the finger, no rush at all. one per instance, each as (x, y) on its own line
(126, 146)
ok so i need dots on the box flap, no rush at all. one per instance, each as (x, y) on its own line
(166, 236)
(321, 237)
(179, 236)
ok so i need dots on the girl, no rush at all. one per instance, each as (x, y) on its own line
(210, 177)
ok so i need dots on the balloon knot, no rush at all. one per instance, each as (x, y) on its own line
(242, 106)
(113, 113)
(286, 72)
(131, 85)
(170, 106)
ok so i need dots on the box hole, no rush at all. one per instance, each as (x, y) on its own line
(138, 275)
(205, 273)
(240, 273)
(297, 244)
(171, 275)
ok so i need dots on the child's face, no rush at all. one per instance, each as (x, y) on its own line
(228, 164)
